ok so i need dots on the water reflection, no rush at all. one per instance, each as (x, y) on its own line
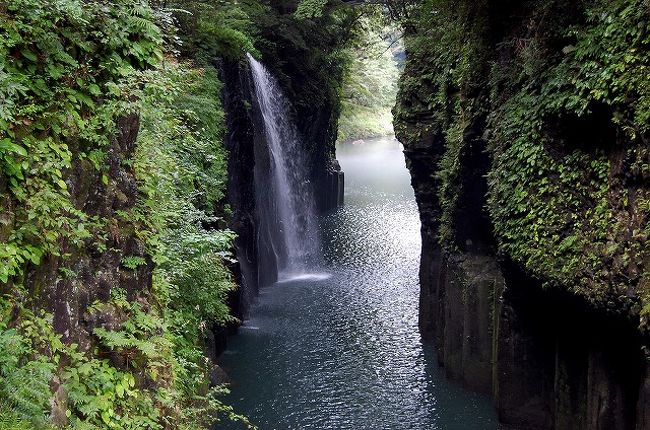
(344, 352)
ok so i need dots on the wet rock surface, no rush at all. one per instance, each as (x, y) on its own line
(245, 141)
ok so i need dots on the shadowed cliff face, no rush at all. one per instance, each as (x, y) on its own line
(531, 195)
(241, 185)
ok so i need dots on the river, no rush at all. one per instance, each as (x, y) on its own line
(339, 348)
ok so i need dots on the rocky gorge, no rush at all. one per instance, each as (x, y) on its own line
(140, 222)
(317, 126)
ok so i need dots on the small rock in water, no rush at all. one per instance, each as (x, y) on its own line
(218, 376)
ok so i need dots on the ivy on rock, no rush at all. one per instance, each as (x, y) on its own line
(561, 106)
(77, 186)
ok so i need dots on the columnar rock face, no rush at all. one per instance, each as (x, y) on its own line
(533, 200)
(241, 185)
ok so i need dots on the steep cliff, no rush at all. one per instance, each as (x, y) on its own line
(305, 56)
(245, 140)
(123, 163)
(525, 126)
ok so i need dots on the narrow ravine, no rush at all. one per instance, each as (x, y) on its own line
(170, 178)
(340, 349)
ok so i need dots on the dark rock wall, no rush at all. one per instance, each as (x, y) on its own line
(239, 142)
(548, 360)
(304, 56)
(553, 350)
(318, 127)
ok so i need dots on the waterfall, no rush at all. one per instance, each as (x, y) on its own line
(285, 194)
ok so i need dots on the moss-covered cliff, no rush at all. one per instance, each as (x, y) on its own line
(114, 248)
(526, 129)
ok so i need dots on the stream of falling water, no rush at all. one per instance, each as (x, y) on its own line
(291, 191)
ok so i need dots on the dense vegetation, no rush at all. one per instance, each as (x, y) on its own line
(561, 107)
(370, 84)
(74, 76)
(115, 251)
(114, 246)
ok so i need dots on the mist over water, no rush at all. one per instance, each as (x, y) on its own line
(344, 352)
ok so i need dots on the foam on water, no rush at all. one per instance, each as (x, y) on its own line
(296, 277)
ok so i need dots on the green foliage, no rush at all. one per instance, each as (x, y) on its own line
(181, 156)
(101, 395)
(450, 179)
(566, 218)
(307, 54)
(181, 164)
(69, 70)
(563, 105)
(104, 392)
(133, 261)
(431, 104)
(28, 362)
(62, 88)
(11, 420)
(25, 376)
(370, 84)
(310, 9)
(215, 29)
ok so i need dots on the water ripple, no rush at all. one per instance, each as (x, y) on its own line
(343, 352)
